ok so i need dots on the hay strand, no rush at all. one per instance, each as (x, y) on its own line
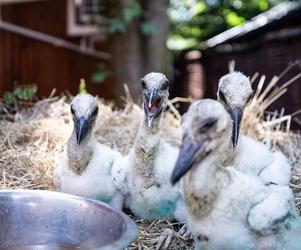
(33, 139)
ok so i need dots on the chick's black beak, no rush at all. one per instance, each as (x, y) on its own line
(236, 115)
(186, 158)
(81, 128)
(152, 106)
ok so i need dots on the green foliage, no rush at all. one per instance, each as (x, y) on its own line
(101, 74)
(263, 5)
(116, 25)
(195, 21)
(233, 19)
(132, 12)
(148, 28)
(120, 18)
(9, 97)
(21, 93)
(199, 8)
(25, 93)
(82, 88)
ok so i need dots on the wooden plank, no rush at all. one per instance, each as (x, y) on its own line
(27, 61)
(17, 1)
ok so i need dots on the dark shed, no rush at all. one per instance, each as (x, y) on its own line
(267, 44)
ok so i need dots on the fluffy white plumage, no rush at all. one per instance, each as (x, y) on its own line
(86, 166)
(229, 210)
(144, 174)
(149, 196)
(234, 90)
(253, 157)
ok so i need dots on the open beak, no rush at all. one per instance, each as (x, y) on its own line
(81, 128)
(186, 158)
(236, 115)
(152, 106)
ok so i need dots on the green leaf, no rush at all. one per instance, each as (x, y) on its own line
(132, 12)
(263, 5)
(200, 20)
(116, 25)
(199, 8)
(233, 19)
(98, 77)
(101, 74)
(9, 97)
(148, 28)
(195, 31)
(25, 93)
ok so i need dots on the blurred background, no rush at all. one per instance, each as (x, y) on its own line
(53, 44)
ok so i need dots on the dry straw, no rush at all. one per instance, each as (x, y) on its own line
(31, 145)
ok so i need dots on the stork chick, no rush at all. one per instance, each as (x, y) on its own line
(85, 169)
(144, 173)
(234, 92)
(222, 202)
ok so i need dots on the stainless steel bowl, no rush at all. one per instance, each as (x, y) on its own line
(40, 220)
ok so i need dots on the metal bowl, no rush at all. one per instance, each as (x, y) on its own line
(45, 220)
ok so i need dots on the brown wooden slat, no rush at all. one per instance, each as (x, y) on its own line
(27, 61)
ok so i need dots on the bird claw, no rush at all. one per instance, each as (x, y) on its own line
(165, 238)
(185, 232)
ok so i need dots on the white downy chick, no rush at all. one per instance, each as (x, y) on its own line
(234, 92)
(222, 201)
(143, 175)
(85, 168)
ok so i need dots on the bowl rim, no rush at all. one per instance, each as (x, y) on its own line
(126, 238)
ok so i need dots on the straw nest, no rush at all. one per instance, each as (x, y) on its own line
(33, 139)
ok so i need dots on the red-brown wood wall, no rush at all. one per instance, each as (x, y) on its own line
(28, 61)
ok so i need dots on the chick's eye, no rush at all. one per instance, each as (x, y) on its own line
(95, 112)
(143, 84)
(209, 123)
(165, 85)
(222, 96)
(72, 111)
